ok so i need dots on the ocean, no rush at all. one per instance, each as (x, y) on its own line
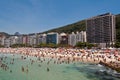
(21, 67)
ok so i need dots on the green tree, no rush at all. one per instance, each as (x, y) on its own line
(51, 45)
(118, 27)
(18, 45)
(62, 45)
(81, 44)
(42, 45)
(1, 46)
(85, 44)
(117, 45)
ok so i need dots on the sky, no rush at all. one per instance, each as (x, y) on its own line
(34, 16)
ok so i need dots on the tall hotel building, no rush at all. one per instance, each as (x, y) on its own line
(101, 30)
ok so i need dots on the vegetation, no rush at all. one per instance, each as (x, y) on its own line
(41, 45)
(117, 45)
(85, 44)
(63, 45)
(51, 45)
(118, 27)
(78, 26)
(81, 26)
(20, 45)
(3, 33)
(1, 46)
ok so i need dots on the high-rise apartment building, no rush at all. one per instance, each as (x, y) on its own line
(81, 36)
(52, 38)
(75, 38)
(42, 38)
(24, 39)
(72, 39)
(101, 29)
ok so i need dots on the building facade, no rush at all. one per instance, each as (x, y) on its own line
(81, 36)
(42, 38)
(101, 29)
(2, 39)
(24, 39)
(14, 40)
(63, 39)
(32, 40)
(52, 38)
(7, 43)
(77, 37)
(72, 39)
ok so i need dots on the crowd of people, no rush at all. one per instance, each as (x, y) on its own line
(94, 55)
(68, 54)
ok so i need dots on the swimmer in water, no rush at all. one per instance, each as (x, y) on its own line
(22, 69)
(10, 71)
(48, 70)
(39, 65)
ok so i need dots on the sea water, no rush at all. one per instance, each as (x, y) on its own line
(30, 68)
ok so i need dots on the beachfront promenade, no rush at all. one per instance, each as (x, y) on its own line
(108, 56)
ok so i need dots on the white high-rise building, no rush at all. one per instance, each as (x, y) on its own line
(72, 39)
(78, 37)
(32, 40)
(14, 40)
(41, 38)
(7, 42)
(83, 38)
(3, 40)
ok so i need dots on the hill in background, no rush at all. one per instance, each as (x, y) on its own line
(81, 26)
(118, 27)
(5, 34)
(78, 26)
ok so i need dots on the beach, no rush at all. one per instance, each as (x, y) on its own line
(28, 61)
(89, 55)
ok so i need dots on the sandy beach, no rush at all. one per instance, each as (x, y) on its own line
(88, 55)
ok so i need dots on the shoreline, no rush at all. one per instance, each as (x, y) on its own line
(113, 66)
(70, 55)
